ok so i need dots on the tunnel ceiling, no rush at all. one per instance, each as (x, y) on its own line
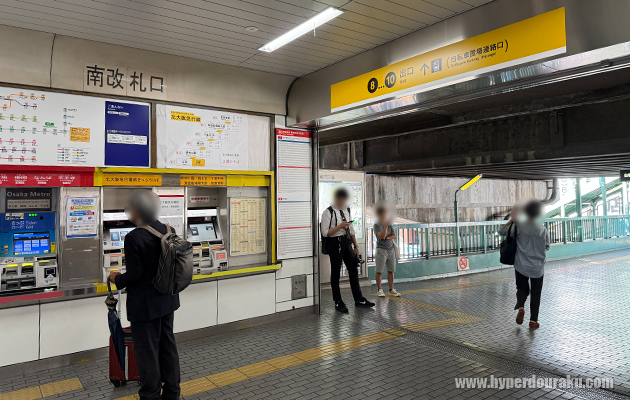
(571, 128)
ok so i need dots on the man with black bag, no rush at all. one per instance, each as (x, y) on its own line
(525, 247)
(340, 243)
(150, 312)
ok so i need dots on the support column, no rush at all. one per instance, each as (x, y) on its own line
(578, 209)
(624, 198)
(602, 185)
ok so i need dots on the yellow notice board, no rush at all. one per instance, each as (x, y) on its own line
(532, 39)
(202, 180)
(132, 180)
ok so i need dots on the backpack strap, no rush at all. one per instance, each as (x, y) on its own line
(332, 213)
(152, 231)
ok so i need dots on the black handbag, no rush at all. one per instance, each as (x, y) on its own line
(508, 247)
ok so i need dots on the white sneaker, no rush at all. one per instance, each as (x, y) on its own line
(380, 293)
(394, 293)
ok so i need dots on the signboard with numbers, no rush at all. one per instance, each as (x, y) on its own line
(58, 129)
(532, 39)
(196, 138)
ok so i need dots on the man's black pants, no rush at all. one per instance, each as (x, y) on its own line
(523, 290)
(341, 250)
(158, 361)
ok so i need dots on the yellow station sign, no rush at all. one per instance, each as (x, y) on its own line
(532, 39)
(132, 180)
(202, 180)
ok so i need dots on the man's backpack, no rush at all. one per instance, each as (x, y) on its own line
(175, 269)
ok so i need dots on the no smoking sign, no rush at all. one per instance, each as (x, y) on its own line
(462, 263)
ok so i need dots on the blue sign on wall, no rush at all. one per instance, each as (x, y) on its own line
(126, 134)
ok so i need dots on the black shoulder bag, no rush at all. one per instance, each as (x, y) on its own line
(508, 247)
(326, 241)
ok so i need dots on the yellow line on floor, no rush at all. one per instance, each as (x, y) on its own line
(240, 374)
(460, 318)
(38, 392)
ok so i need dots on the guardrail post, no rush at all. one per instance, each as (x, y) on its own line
(427, 242)
(594, 229)
(564, 232)
(484, 238)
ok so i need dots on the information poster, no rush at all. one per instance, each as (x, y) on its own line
(248, 221)
(294, 172)
(202, 139)
(172, 212)
(58, 129)
(126, 134)
(81, 217)
(327, 185)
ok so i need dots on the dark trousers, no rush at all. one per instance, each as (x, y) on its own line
(158, 361)
(342, 251)
(523, 290)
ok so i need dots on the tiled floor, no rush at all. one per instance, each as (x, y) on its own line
(583, 332)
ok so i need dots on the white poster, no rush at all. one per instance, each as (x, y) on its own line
(201, 139)
(248, 222)
(81, 217)
(294, 205)
(172, 212)
(53, 129)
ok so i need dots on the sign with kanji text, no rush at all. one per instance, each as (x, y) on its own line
(532, 39)
(124, 81)
(50, 179)
(132, 180)
(202, 180)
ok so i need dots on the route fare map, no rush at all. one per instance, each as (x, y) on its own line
(203, 139)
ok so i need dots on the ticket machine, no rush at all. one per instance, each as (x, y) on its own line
(28, 258)
(115, 227)
(204, 232)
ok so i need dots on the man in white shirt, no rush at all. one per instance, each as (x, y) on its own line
(340, 243)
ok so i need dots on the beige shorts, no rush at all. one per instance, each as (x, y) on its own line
(385, 258)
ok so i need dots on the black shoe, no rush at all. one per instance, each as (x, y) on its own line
(341, 307)
(364, 303)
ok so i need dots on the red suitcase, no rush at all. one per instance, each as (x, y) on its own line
(117, 375)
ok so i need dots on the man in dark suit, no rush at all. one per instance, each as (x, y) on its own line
(150, 313)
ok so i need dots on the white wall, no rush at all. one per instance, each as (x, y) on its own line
(290, 268)
(189, 81)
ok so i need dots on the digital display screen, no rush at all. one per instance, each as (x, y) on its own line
(117, 236)
(203, 232)
(31, 243)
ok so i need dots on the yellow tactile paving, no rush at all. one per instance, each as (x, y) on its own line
(311, 354)
(196, 386)
(285, 362)
(49, 389)
(30, 393)
(227, 377)
(258, 369)
(68, 385)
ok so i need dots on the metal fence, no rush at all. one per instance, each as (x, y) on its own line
(418, 241)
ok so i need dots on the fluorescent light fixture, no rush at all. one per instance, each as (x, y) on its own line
(470, 182)
(301, 29)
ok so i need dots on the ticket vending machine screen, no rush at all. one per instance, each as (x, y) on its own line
(117, 236)
(203, 232)
(31, 243)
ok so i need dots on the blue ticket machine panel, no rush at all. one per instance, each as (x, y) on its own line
(27, 250)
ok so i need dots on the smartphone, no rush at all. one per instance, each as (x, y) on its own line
(350, 221)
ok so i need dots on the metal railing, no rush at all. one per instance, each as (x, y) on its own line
(423, 241)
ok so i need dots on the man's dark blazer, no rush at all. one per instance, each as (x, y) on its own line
(142, 253)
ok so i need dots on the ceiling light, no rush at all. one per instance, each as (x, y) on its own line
(251, 29)
(301, 29)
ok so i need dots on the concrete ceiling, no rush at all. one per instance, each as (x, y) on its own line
(214, 30)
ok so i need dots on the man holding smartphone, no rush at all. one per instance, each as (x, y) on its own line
(341, 246)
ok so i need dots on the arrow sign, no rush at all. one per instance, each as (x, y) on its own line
(424, 68)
